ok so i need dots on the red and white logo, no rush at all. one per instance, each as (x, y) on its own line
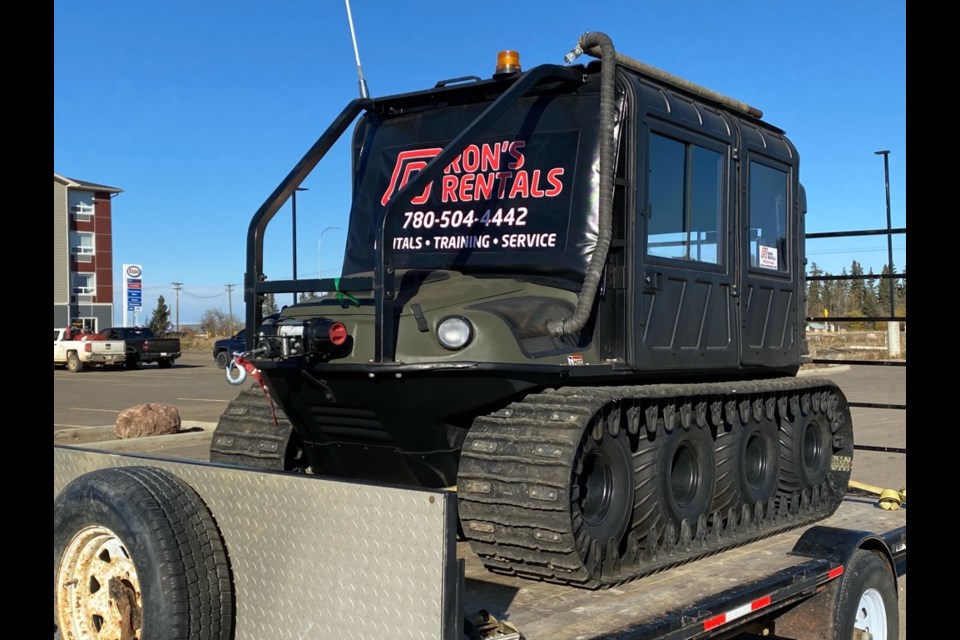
(133, 271)
(409, 164)
(482, 171)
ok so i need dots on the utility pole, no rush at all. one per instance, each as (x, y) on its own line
(177, 286)
(230, 307)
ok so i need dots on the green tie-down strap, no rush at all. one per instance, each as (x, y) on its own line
(343, 295)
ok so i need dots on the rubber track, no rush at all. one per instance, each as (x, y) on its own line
(515, 475)
(247, 435)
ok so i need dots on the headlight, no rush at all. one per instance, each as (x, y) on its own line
(454, 332)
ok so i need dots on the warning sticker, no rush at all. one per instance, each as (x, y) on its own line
(769, 258)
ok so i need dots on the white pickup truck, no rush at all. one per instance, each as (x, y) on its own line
(86, 350)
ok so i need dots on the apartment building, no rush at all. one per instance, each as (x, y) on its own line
(82, 253)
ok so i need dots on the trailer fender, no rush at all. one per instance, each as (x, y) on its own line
(839, 545)
(860, 603)
(136, 553)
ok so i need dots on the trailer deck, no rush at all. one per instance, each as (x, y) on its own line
(307, 557)
(710, 588)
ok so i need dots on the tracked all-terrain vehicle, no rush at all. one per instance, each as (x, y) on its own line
(577, 294)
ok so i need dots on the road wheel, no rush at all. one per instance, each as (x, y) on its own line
(601, 496)
(133, 362)
(164, 364)
(74, 364)
(137, 554)
(223, 359)
(675, 475)
(805, 448)
(759, 460)
(867, 599)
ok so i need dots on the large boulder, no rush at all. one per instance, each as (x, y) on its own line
(151, 419)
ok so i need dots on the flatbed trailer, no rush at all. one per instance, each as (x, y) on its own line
(314, 557)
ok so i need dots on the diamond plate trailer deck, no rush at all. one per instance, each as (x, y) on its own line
(315, 557)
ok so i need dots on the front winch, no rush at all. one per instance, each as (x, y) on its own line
(292, 337)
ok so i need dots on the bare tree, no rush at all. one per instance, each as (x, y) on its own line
(217, 323)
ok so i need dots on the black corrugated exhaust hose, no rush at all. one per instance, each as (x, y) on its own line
(591, 280)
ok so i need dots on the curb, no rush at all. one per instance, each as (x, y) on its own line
(105, 435)
(824, 369)
(153, 445)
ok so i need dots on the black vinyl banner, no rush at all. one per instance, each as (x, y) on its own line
(521, 198)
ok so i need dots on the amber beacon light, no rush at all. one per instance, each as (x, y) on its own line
(508, 62)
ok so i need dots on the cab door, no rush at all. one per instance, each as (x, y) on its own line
(770, 226)
(686, 295)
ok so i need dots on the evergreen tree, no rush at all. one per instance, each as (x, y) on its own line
(857, 292)
(870, 306)
(815, 293)
(901, 293)
(834, 296)
(883, 290)
(161, 318)
(269, 304)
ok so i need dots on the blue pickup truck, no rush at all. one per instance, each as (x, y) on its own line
(223, 349)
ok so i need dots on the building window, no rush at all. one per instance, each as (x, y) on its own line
(81, 244)
(89, 324)
(82, 211)
(83, 284)
(685, 201)
(768, 217)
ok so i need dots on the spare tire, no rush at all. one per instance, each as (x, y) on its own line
(137, 554)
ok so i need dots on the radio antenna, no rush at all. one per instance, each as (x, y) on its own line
(356, 52)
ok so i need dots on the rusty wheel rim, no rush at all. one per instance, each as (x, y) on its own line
(98, 592)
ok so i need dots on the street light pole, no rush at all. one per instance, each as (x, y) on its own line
(320, 253)
(893, 327)
(177, 286)
(229, 288)
(294, 225)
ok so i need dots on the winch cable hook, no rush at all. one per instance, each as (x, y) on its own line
(244, 367)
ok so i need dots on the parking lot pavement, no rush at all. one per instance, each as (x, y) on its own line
(94, 398)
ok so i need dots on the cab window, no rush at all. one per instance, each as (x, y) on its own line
(685, 200)
(768, 217)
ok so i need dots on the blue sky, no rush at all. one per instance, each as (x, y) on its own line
(197, 110)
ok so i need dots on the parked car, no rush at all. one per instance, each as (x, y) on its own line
(224, 348)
